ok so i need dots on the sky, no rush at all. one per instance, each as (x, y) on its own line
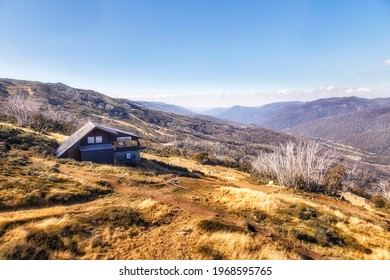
(201, 53)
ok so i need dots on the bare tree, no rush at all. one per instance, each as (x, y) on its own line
(384, 188)
(54, 119)
(38, 114)
(21, 107)
(302, 165)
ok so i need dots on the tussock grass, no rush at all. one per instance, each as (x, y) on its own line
(245, 199)
(378, 254)
(273, 252)
(74, 235)
(232, 245)
(26, 184)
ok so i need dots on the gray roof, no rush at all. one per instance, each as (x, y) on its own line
(82, 132)
(97, 147)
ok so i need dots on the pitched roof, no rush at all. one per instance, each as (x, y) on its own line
(83, 131)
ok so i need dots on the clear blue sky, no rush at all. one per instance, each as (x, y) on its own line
(175, 48)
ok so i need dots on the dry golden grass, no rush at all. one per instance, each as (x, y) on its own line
(234, 246)
(230, 245)
(245, 199)
(272, 252)
(11, 240)
(378, 254)
(168, 225)
(223, 173)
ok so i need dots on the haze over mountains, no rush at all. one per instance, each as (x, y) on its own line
(167, 107)
(359, 122)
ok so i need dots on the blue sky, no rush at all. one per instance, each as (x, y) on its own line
(201, 53)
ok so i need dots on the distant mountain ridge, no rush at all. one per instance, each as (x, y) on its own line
(166, 107)
(250, 115)
(359, 122)
(368, 129)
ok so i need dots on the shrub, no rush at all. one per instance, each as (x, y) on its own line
(259, 215)
(201, 157)
(214, 226)
(116, 217)
(17, 159)
(328, 237)
(211, 253)
(360, 192)
(38, 246)
(34, 142)
(334, 180)
(307, 213)
(303, 236)
(175, 152)
(301, 211)
(379, 201)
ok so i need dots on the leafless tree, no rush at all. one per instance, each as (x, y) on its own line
(384, 188)
(38, 114)
(297, 165)
(21, 107)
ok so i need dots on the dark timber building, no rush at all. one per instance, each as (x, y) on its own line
(101, 144)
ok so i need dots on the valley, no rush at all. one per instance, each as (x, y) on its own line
(195, 195)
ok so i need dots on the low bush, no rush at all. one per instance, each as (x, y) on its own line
(360, 192)
(34, 142)
(327, 237)
(39, 245)
(301, 211)
(215, 226)
(201, 157)
(116, 217)
(380, 202)
(303, 236)
(211, 253)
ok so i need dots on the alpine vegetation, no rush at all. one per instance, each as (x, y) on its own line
(304, 166)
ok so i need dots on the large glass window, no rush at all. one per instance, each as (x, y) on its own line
(91, 140)
(99, 139)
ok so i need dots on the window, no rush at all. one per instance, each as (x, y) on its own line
(128, 155)
(99, 139)
(95, 139)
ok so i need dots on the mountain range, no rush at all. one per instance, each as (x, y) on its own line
(356, 126)
(166, 107)
(358, 122)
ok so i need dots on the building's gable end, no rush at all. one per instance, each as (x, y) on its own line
(74, 139)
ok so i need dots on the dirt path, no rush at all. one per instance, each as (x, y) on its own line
(162, 195)
(263, 188)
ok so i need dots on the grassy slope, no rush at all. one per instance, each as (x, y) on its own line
(172, 208)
